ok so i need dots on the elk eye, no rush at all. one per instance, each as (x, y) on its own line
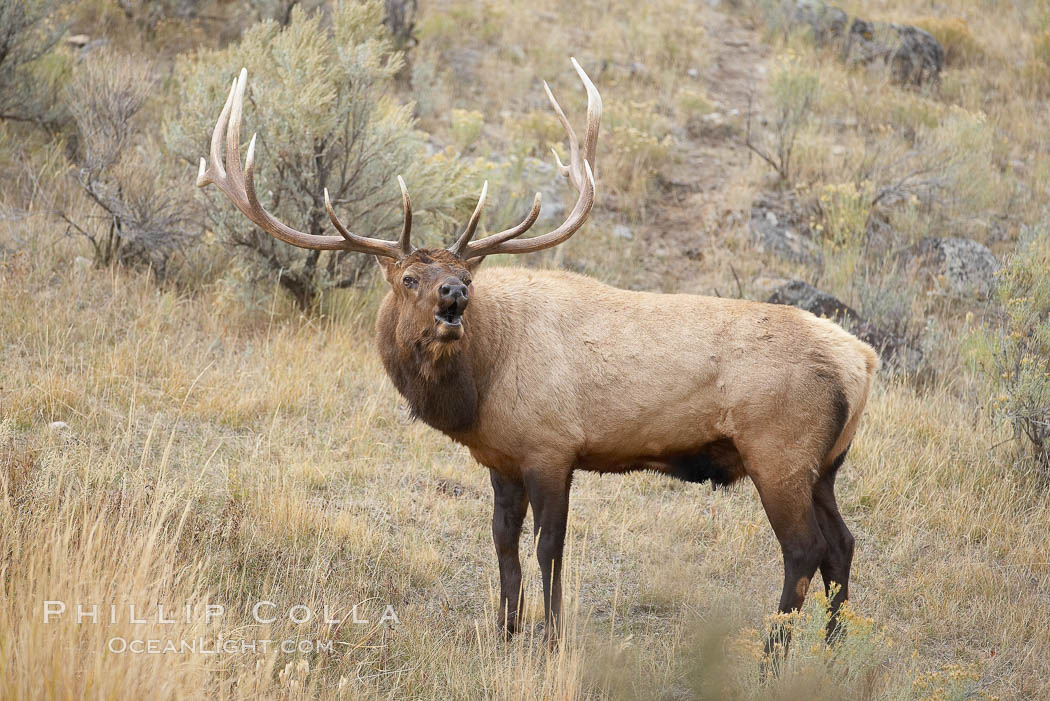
(466, 280)
(410, 282)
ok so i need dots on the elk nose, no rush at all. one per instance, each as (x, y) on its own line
(453, 290)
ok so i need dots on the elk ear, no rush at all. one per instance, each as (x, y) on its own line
(389, 266)
(474, 263)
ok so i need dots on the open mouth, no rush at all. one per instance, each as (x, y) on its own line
(450, 316)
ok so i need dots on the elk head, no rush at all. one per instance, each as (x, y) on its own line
(431, 287)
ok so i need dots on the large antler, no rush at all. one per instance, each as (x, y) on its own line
(579, 172)
(240, 188)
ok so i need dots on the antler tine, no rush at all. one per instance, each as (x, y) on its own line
(239, 186)
(594, 116)
(518, 230)
(335, 220)
(562, 168)
(404, 241)
(574, 144)
(461, 243)
(580, 174)
(233, 129)
(570, 226)
(216, 142)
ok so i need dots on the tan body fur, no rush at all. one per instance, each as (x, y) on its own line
(574, 373)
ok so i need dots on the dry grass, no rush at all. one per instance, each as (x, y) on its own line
(217, 455)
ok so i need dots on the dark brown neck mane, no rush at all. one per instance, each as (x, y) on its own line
(440, 386)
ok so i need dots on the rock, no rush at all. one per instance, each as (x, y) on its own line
(58, 426)
(963, 266)
(622, 231)
(801, 294)
(918, 58)
(894, 350)
(913, 55)
(827, 22)
(779, 226)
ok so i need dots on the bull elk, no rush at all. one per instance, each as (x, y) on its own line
(541, 372)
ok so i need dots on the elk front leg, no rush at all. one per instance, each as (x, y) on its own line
(508, 512)
(550, 512)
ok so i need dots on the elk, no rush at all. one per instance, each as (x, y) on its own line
(543, 372)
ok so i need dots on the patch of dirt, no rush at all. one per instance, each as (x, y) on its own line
(705, 193)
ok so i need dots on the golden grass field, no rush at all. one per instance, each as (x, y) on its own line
(218, 447)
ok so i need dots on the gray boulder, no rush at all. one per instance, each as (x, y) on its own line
(961, 267)
(913, 55)
(827, 22)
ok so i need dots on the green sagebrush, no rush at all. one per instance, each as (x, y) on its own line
(321, 100)
(1012, 349)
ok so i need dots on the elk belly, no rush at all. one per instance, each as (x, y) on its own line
(717, 462)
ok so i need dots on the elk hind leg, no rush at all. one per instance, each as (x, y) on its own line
(835, 566)
(794, 520)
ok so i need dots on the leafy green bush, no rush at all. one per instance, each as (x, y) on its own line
(320, 98)
(1012, 350)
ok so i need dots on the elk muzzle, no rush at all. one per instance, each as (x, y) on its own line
(453, 297)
